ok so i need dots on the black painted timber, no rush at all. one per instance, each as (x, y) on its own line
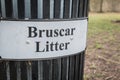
(65, 68)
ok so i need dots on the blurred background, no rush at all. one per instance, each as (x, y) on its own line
(102, 60)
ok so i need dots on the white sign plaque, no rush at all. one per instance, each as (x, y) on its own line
(44, 39)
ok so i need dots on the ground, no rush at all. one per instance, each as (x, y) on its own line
(102, 61)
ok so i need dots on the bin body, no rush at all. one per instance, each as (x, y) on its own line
(70, 67)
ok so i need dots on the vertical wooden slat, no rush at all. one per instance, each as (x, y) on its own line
(46, 9)
(56, 69)
(66, 68)
(70, 11)
(35, 70)
(23, 70)
(65, 61)
(82, 70)
(7, 70)
(40, 9)
(77, 8)
(51, 61)
(77, 66)
(81, 8)
(66, 9)
(8, 8)
(64, 74)
(51, 9)
(72, 68)
(40, 70)
(57, 9)
(70, 60)
(81, 65)
(13, 71)
(61, 9)
(21, 10)
(50, 69)
(88, 1)
(47, 70)
(59, 5)
(3, 70)
(18, 70)
(15, 8)
(34, 9)
(29, 70)
(3, 8)
(59, 68)
(27, 9)
(0, 12)
(67, 71)
(85, 9)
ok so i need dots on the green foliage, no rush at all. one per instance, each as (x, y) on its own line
(102, 22)
(102, 57)
(98, 46)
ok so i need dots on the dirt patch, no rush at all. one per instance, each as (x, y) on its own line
(116, 21)
(103, 57)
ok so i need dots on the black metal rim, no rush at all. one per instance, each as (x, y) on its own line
(37, 20)
(37, 59)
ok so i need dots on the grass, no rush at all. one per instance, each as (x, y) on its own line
(102, 28)
(102, 22)
(102, 56)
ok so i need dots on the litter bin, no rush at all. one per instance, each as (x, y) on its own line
(42, 39)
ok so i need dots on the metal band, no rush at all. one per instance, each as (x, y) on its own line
(36, 59)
